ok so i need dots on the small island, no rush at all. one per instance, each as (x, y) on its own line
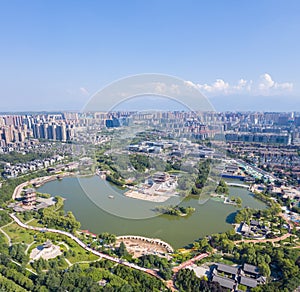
(175, 210)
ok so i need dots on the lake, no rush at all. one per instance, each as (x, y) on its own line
(89, 199)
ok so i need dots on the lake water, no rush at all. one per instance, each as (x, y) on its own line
(88, 198)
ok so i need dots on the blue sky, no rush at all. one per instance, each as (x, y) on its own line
(242, 54)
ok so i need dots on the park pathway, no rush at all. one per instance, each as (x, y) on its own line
(5, 234)
(84, 246)
(264, 240)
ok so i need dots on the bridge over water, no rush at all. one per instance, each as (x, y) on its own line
(238, 185)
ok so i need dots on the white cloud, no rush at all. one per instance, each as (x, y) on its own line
(190, 84)
(84, 91)
(266, 82)
(264, 86)
(267, 86)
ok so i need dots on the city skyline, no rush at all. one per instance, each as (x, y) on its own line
(150, 145)
(242, 56)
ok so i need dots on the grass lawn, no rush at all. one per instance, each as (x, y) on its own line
(227, 262)
(80, 255)
(3, 238)
(35, 223)
(21, 235)
(84, 266)
(18, 234)
(24, 218)
(62, 246)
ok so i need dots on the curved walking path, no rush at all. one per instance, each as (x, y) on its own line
(264, 240)
(7, 236)
(190, 262)
(84, 246)
(29, 245)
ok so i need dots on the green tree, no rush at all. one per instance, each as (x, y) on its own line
(122, 250)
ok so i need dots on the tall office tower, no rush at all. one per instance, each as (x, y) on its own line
(24, 127)
(45, 129)
(69, 133)
(58, 133)
(15, 135)
(42, 133)
(36, 131)
(27, 121)
(17, 121)
(52, 131)
(7, 134)
(9, 121)
(63, 132)
(21, 136)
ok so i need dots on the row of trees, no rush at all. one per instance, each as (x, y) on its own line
(17, 277)
(75, 278)
(8, 285)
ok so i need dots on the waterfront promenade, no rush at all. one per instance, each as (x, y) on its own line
(38, 182)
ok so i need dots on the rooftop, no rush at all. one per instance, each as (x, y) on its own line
(249, 282)
(227, 269)
(29, 191)
(251, 269)
(224, 282)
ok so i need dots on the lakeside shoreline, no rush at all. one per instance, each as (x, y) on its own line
(136, 229)
(38, 182)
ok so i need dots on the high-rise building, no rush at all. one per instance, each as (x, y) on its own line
(7, 134)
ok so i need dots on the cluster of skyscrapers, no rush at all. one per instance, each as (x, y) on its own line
(19, 128)
(281, 128)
